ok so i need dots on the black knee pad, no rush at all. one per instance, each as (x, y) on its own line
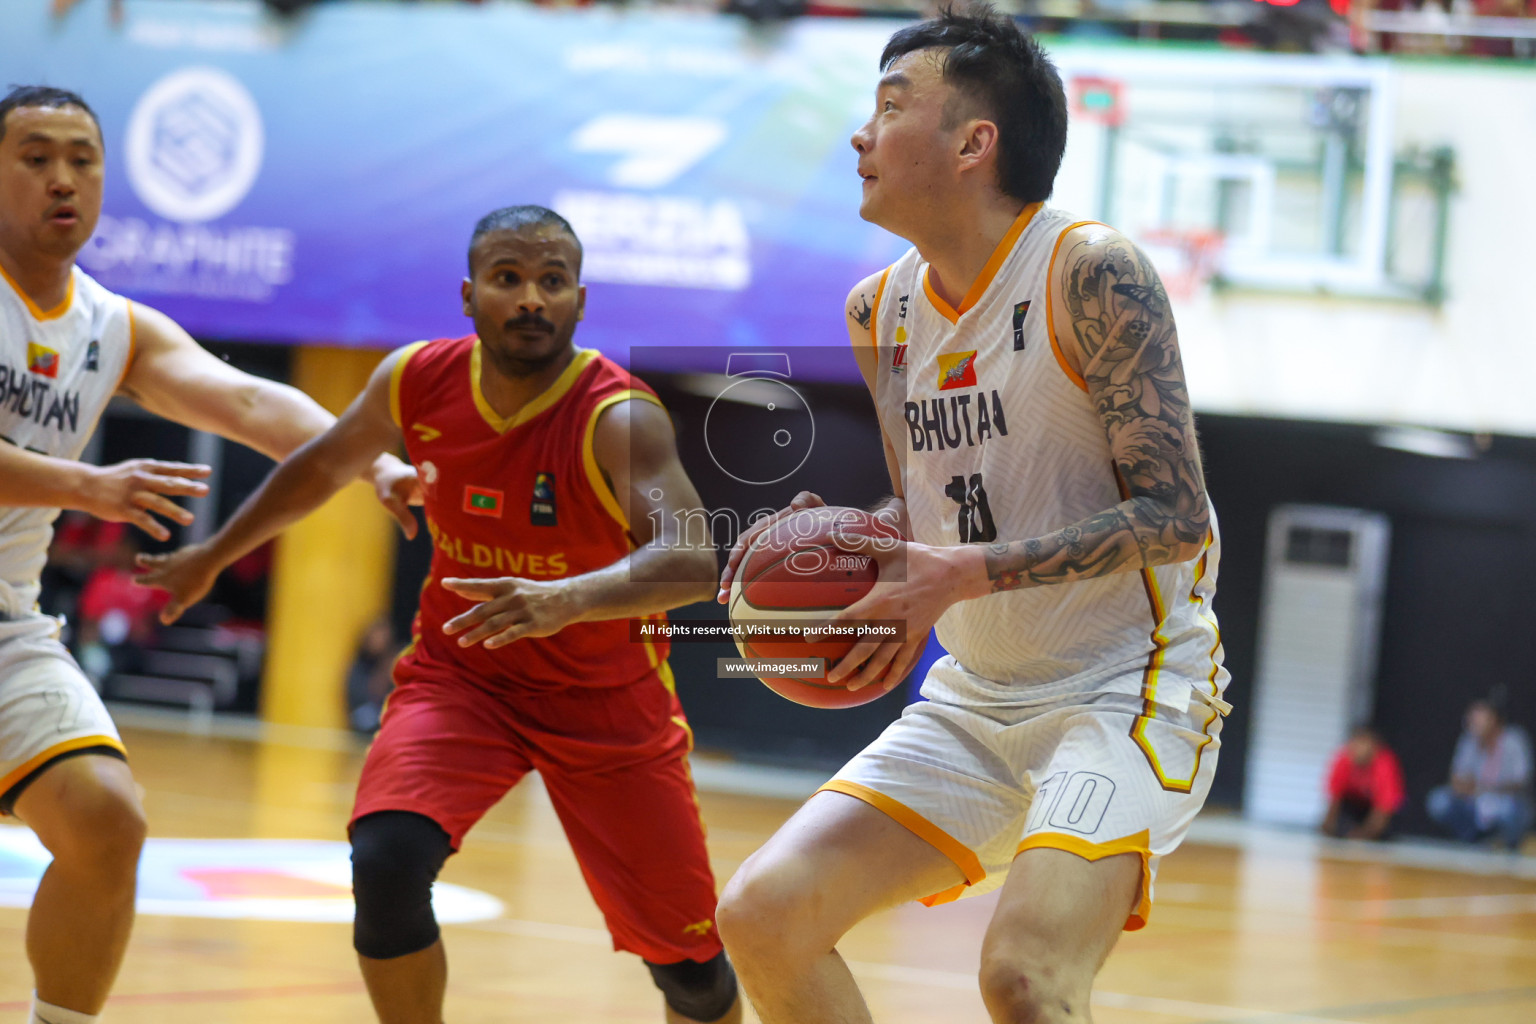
(396, 856)
(699, 991)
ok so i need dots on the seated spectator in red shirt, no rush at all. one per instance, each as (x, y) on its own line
(117, 617)
(1365, 788)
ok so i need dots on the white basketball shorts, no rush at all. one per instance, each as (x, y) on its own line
(48, 708)
(1094, 774)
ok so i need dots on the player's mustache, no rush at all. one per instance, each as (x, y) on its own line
(529, 322)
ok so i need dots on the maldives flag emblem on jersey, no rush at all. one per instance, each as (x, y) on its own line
(482, 501)
(957, 370)
(43, 360)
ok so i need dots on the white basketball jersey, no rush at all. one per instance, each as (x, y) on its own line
(998, 441)
(58, 370)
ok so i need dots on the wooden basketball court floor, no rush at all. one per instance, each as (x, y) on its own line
(1248, 926)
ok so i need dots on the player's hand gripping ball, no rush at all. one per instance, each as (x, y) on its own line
(793, 575)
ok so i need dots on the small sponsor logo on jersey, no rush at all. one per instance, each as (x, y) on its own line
(541, 511)
(425, 433)
(93, 356)
(899, 355)
(1020, 311)
(957, 370)
(42, 360)
(700, 928)
(482, 501)
(901, 308)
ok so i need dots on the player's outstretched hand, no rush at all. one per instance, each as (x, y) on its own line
(801, 501)
(138, 490)
(397, 487)
(187, 575)
(510, 608)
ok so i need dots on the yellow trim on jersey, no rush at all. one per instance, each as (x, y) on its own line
(133, 346)
(1159, 642)
(1199, 599)
(874, 311)
(1050, 309)
(78, 743)
(988, 272)
(1140, 844)
(964, 857)
(589, 457)
(550, 395)
(660, 667)
(395, 374)
(1154, 668)
(937, 301)
(1150, 675)
(682, 723)
(38, 314)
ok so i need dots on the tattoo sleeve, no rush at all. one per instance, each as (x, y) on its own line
(1123, 329)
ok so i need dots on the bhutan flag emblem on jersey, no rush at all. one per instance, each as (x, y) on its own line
(957, 370)
(42, 359)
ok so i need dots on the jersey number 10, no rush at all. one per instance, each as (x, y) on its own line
(974, 520)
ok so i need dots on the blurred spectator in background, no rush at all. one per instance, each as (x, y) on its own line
(81, 545)
(117, 617)
(371, 677)
(1365, 788)
(1490, 789)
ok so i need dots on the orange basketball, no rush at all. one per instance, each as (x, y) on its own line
(794, 575)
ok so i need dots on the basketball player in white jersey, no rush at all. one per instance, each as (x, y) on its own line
(67, 345)
(1026, 374)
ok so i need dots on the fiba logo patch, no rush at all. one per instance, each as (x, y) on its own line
(194, 145)
(541, 511)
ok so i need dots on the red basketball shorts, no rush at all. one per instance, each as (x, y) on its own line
(615, 764)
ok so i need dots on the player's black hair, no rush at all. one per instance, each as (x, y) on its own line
(42, 96)
(1003, 75)
(515, 218)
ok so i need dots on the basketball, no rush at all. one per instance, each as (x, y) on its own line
(794, 575)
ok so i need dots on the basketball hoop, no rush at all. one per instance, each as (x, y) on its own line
(1186, 258)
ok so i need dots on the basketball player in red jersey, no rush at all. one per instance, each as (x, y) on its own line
(552, 492)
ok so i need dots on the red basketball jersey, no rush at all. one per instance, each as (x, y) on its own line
(517, 497)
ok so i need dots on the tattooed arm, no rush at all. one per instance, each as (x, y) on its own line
(1115, 328)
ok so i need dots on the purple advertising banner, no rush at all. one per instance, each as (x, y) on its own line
(315, 180)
